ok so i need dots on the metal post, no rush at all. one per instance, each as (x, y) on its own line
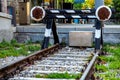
(54, 31)
(47, 34)
(98, 25)
(51, 26)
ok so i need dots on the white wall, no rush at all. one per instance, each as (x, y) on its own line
(6, 29)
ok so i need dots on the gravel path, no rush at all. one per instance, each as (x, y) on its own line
(8, 60)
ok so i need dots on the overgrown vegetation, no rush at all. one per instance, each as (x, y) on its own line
(59, 76)
(14, 48)
(87, 4)
(116, 6)
(108, 67)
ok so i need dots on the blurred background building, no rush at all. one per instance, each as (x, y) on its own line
(21, 8)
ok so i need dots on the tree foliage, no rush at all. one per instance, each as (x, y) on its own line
(89, 3)
(116, 6)
(69, 1)
(108, 2)
(77, 6)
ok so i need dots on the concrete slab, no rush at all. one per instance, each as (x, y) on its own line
(80, 38)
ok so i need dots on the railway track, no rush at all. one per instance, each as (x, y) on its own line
(52, 60)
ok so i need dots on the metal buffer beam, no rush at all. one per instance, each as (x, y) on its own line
(101, 14)
(38, 13)
(61, 14)
(66, 14)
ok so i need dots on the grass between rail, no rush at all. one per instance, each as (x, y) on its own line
(14, 48)
(108, 66)
(59, 76)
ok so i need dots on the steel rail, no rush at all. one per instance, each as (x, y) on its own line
(9, 70)
(89, 70)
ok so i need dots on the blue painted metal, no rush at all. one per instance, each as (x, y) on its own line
(79, 1)
(76, 21)
(11, 11)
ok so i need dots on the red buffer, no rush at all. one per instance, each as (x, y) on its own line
(103, 13)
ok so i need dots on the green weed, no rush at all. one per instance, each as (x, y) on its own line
(59, 76)
(14, 48)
